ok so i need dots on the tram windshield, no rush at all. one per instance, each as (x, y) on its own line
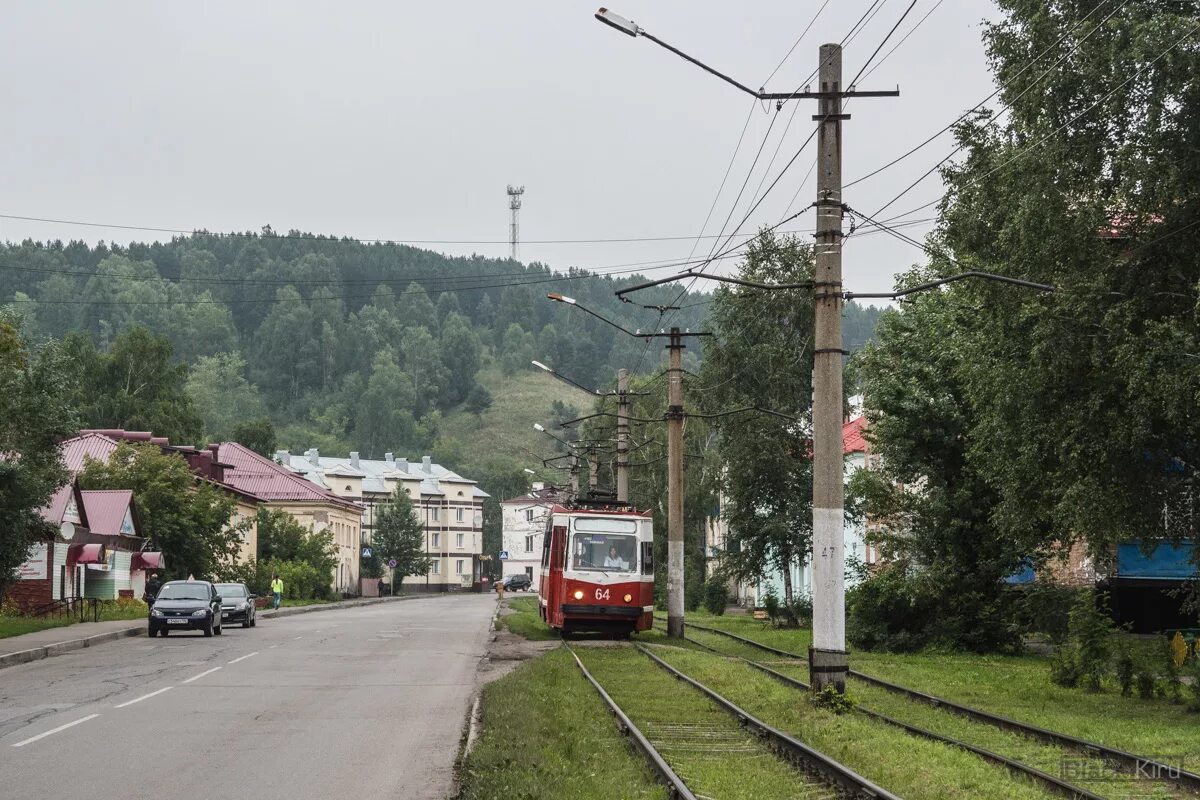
(604, 545)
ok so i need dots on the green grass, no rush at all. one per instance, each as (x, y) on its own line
(518, 401)
(546, 733)
(702, 743)
(524, 620)
(897, 761)
(1013, 686)
(16, 625)
(302, 602)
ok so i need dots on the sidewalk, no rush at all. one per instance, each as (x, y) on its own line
(56, 641)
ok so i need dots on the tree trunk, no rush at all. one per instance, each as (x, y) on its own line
(789, 608)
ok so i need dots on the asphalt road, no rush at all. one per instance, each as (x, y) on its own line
(359, 703)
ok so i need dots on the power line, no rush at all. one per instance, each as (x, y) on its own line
(867, 63)
(997, 91)
(1028, 148)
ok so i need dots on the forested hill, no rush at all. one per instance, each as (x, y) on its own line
(340, 343)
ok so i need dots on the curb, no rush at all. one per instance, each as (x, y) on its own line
(58, 648)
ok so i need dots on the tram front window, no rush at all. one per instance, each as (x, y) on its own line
(607, 552)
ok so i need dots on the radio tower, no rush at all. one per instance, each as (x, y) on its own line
(514, 227)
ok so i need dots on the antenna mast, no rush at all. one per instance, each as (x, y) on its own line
(514, 227)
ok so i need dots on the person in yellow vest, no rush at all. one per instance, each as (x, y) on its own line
(277, 590)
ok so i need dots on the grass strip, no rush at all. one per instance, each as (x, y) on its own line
(546, 733)
(1018, 687)
(903, 763)
(701, 742)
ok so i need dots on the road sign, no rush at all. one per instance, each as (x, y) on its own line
(366, 552)
(392, 563)
(504, 555)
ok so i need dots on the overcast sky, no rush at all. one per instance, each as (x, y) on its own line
(407, 120)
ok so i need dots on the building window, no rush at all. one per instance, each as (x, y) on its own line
(458, 540)
(529, 515)
(529, 544)
(458, 566)
(458, 515)
(435, 566)
(436, 539)
(435, 514)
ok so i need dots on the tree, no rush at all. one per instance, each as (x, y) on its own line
(423, 364)
(760, 355)
(460, 357)
(516, 348)
(221, 394)
(947, 555)
(257, 434)
(134, 385)
(398, 534)
(383, 418)
(189, 520)
(35, 412)
(479, 400)
(282, 538)
(415, 309)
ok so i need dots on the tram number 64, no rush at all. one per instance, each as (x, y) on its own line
(602, 594)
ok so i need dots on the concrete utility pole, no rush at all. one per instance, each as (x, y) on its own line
(828, 658)
(674, 417)
(623, 435)
(575, 476)
(593, 471)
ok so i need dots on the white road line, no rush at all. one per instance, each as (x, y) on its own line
(272, 647)
(55, 730)
(143, 697)
(299, 637)
(243, 658)
(201, 675)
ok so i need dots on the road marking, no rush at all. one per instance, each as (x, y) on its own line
(143, 697)
(32, 739)
(243, 658)
(201, 675)
(299, 637)
(272, 647)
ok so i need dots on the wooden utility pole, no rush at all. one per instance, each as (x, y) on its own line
(675, 485)
(828, 660)
(623, 436)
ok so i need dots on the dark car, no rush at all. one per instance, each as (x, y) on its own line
(186, 605)
(237, 604)
(519, 581)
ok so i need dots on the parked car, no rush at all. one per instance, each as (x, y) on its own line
(186, 605)
(519, 581)
(237, 604)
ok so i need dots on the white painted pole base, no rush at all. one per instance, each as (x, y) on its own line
(675, 589)
(828, 650)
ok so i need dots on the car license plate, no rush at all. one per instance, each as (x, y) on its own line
(177, 622)
(224, 615)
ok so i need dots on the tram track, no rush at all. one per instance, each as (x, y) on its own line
(742, 737)
(1014, 766)
(1135, 765)
(676, 788)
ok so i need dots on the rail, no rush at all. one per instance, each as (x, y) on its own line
(77, 608)
(675, 785)
(1139, 765)
(833, 772)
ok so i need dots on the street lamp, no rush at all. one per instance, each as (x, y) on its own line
(625, 26)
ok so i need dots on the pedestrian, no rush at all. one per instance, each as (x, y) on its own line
(277, 589)
(153, 584)
(500, 589)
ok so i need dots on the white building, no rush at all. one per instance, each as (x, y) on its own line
(524, 523)
(449, 506)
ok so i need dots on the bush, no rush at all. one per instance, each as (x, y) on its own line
(716, 596)
(900, 609)
(802, 608)
(771, 604)
(1193, 670)
(301, 580)
(1126, 667)
(1064, 669)
(1045, 608)
(831, 699)
(1091, 634)
(693, 594)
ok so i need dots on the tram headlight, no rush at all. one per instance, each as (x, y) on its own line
(579, 594)
(628, 598)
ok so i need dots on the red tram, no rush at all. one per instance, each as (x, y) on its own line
(597, 570)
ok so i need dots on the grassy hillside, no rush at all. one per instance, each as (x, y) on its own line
(505, 430)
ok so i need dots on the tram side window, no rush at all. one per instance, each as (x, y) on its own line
(546, 546)
(647, 558)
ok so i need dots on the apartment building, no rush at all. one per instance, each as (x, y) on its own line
(450, 507)
(523, 524)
